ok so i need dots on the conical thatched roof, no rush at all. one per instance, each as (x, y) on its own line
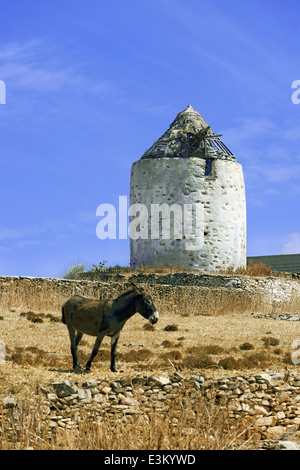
(188, 136)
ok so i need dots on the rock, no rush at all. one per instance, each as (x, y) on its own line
(266, 421)
(9, 402)
(275, 432)
(288, 445)
(161, 380)
(139, 380)
(257, 409)
(295, 398)
(52, 397)
(99, 398)
(90, 384)
(282, 396)
(116, 408)
(128, 401)
(63, 389)
(131, 411)
(176, 377)
(271, 402)
(235, 405)
(125, 382)
(197, 378)
(280, 415)
(84, 394)
(160, 397)
(115, 386)
(277, 376)
(271, 376)
(263, 376)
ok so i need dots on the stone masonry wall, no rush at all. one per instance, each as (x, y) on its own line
(220, 241)
(265, 404)
(49, 293)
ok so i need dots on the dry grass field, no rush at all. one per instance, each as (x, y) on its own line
(38, 352)
(41, 344)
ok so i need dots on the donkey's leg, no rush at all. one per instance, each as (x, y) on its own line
(114, 342)
(95, 350)
(77, 341)
(78, 338)
(72, 335)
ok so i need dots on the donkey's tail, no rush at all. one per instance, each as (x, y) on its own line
(63, 315)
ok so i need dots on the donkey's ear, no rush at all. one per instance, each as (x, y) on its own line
(136, 288)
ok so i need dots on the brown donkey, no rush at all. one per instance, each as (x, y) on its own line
(104, 318)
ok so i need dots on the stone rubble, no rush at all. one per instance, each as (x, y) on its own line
(274, 290)
(270, 401)
(279, 316)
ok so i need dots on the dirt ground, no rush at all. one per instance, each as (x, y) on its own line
(39, 352)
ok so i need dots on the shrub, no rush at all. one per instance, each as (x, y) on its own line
(229, 363)
(269, 341)
(213, 349)
(254, 360)
(167, 344)
(38, 317)
(172, 327)
(33, 317)
(74, 271)
(198, 360)
(253, 269)
(246, 346)
(137, 356)
(172, 355)
(149, 327)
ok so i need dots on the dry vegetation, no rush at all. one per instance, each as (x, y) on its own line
(203, 425)
(189, 338)
(252, 269)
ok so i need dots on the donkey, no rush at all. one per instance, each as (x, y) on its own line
(104, 318)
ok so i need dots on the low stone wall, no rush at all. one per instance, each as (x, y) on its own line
(268, 404)
(50, 293)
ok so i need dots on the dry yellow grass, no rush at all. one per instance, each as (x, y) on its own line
(38, 351)
(45, 345)
(252, 269)
(186, 426)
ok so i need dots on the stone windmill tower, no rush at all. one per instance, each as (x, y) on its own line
(189, 194)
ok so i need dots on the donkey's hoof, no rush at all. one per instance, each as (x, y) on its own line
(77, 367)
(87, 370)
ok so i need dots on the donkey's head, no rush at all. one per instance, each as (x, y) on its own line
(144, 305)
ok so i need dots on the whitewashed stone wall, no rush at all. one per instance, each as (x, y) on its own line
(221, 237)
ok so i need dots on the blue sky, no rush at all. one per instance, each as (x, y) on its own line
(91, 85)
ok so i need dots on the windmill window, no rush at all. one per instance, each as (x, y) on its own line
(209, 167)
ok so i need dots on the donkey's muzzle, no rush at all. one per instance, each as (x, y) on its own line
(154, 318)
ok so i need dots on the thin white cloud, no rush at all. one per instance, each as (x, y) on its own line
(7, 233)
(292, 245)
(40, 66)
(266, 149)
